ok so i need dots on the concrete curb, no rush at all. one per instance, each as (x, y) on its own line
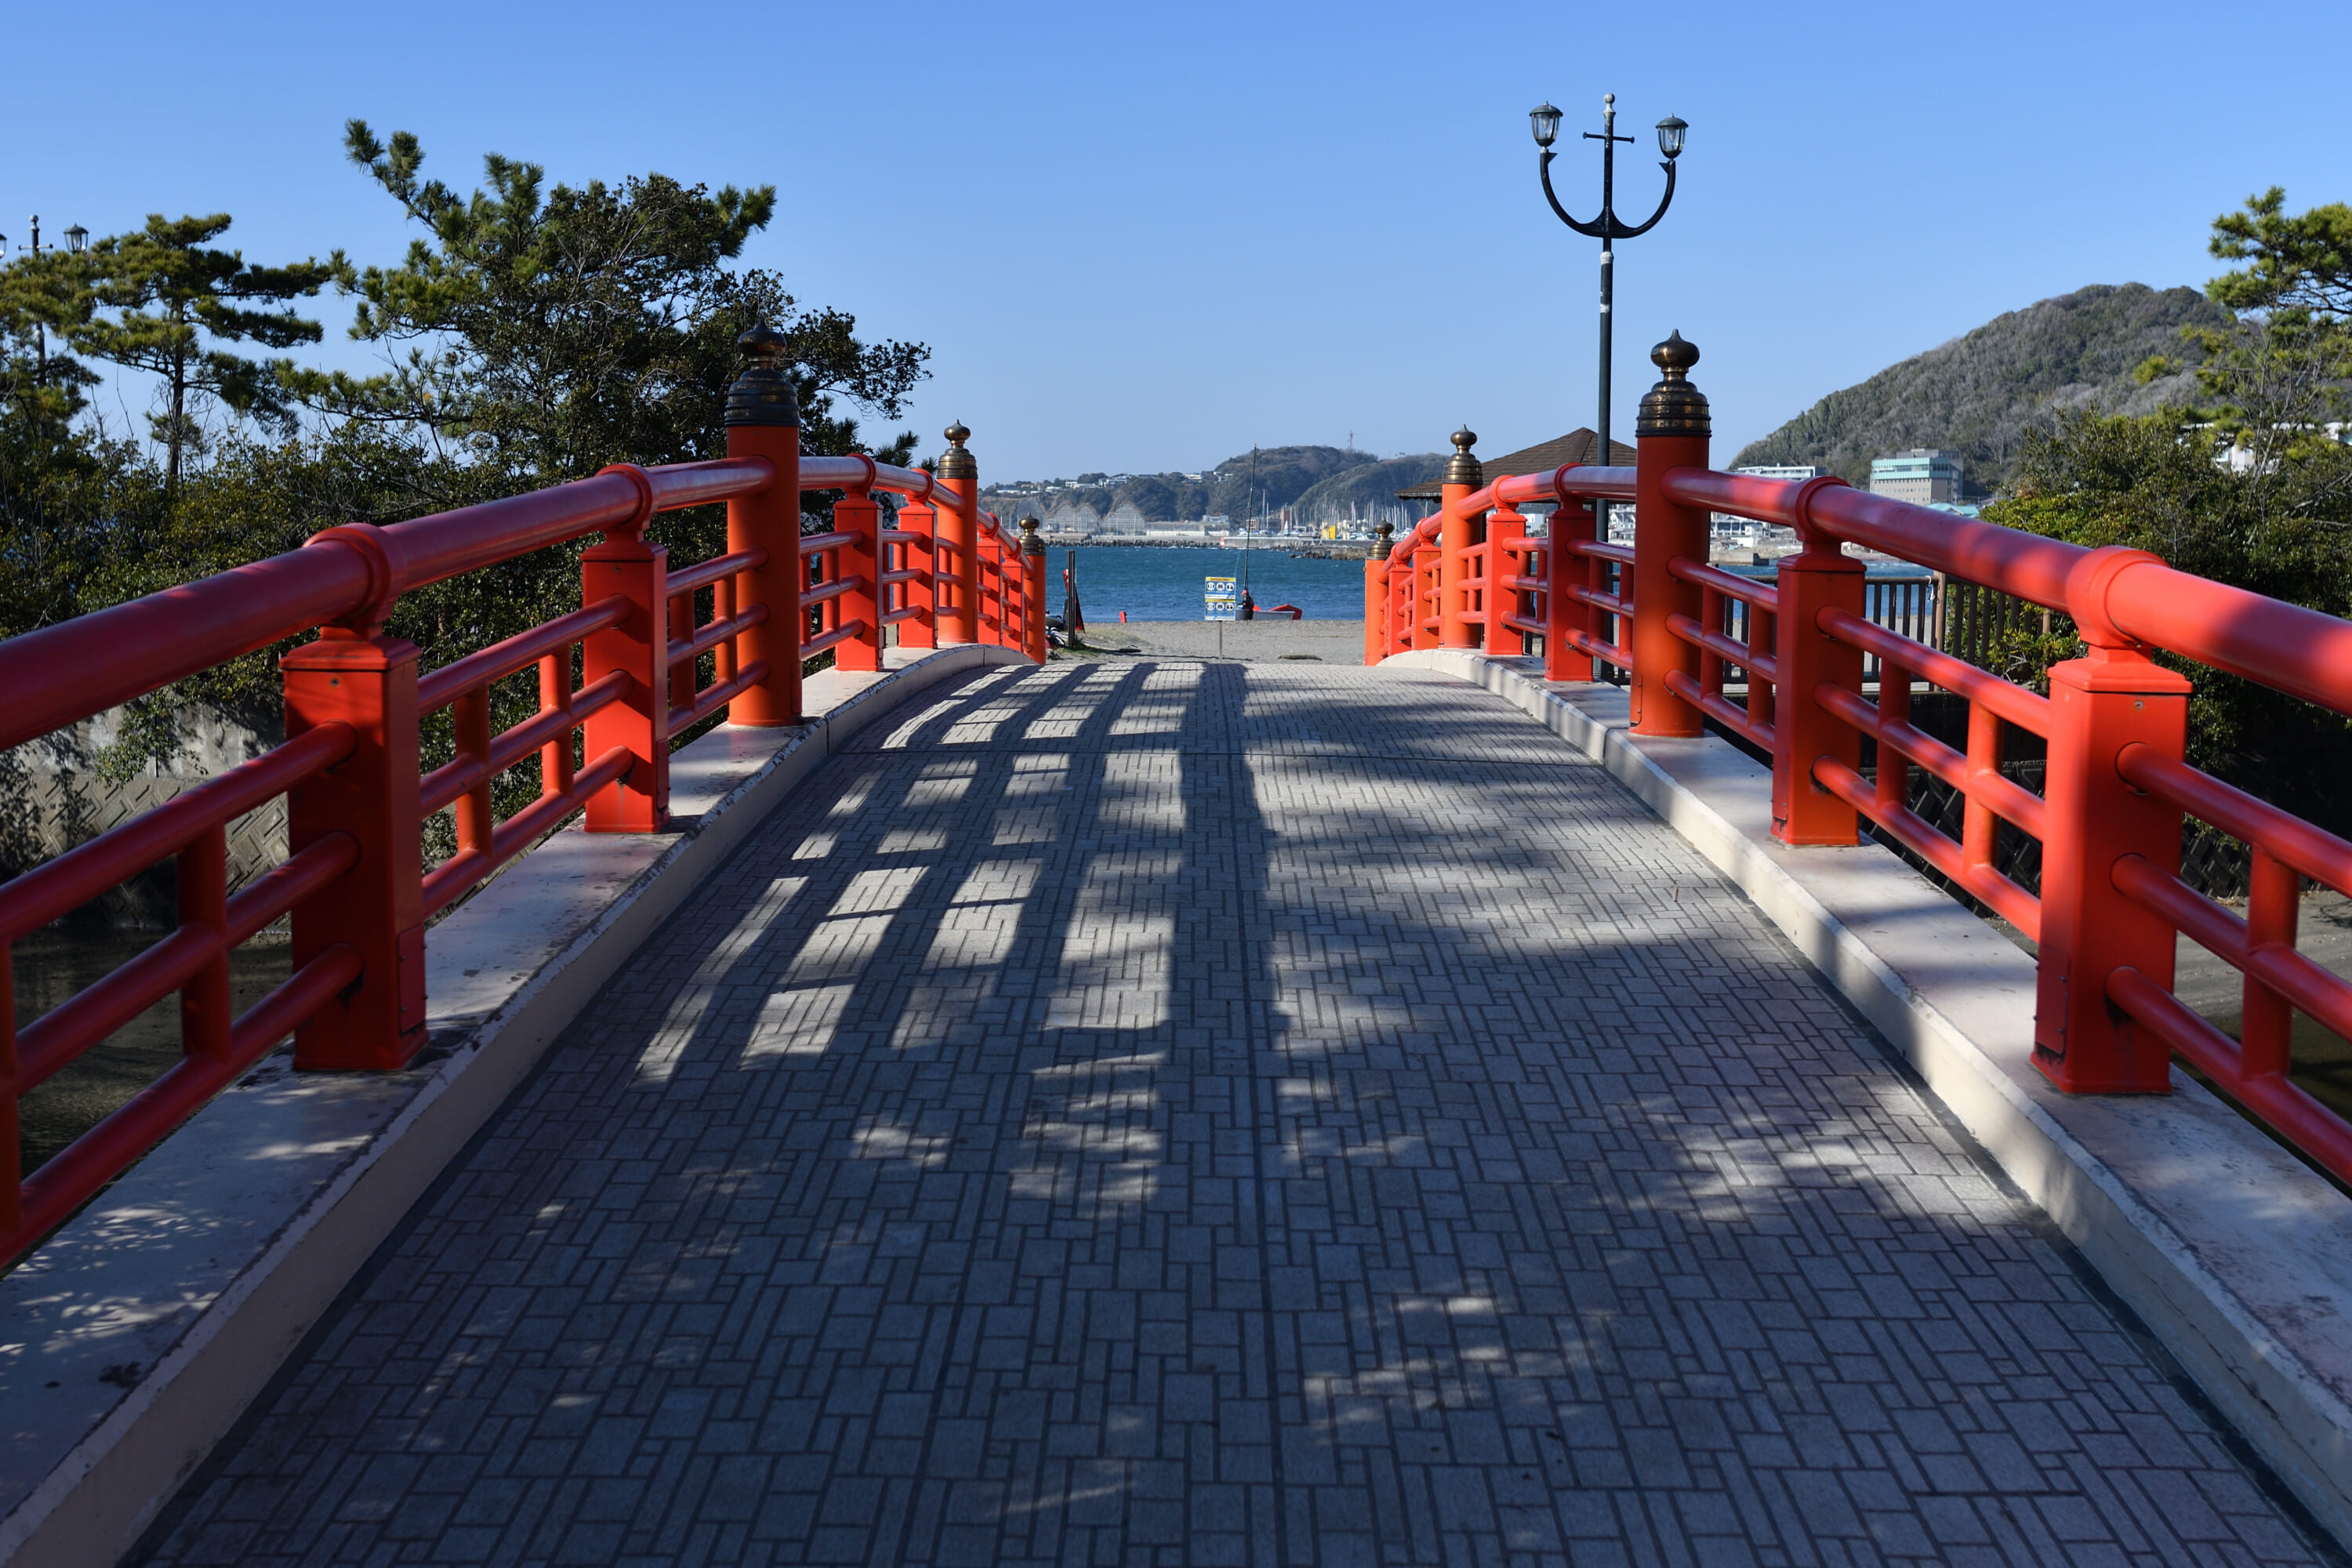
(2235, 1254)
(135, 1338)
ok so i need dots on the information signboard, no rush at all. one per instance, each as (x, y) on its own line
(1223, 598)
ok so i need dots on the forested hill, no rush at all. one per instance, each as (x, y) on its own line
(1273, 477)
(1979, 394)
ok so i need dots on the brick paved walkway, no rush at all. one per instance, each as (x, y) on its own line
(1167, 1113)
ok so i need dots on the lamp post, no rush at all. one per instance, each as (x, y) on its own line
(1608, 227)
(77, 241)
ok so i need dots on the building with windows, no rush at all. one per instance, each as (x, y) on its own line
(1923, 476)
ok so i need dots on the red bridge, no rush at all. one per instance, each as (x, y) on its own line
(1495, 1103)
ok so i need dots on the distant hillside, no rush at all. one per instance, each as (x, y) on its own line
(1979, 394)
(1370, 492)
(1236, 487)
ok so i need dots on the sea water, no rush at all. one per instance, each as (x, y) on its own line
(1163, 583)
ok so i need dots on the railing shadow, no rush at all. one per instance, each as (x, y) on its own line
(1191, 1108)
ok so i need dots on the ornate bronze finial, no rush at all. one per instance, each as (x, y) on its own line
(763, 393)
(1674, 406)
(1384, 540)
(1031, 544)
(1462, 469)
(955, 463)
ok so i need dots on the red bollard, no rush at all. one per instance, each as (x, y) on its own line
(354, 674)
(862, 561)
(2114, 697)
(763, 420)
(1670, 432)
(1376, 596)
(1820, 578)
(1563, 612)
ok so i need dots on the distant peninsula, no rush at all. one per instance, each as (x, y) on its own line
(1314, 484)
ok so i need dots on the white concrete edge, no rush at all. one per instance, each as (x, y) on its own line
(103, 1493)
(2236, 1351)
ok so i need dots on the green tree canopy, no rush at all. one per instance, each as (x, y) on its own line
(549, 331)
(165, 299)
(2251, 487)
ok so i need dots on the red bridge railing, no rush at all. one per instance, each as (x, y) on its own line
(353, 883)
(2110, 815)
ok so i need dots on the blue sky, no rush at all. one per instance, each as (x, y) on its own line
(1145, 237)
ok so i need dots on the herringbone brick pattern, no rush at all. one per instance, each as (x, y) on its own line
(1187, 1114)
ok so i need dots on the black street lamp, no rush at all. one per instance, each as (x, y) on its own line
(1608, 227)
(77, 241)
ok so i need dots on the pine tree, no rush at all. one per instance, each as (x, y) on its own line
(166, 301)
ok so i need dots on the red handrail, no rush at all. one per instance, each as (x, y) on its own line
(651, 652)
(2110, 812)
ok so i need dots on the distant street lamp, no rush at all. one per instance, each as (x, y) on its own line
(77, 241)
(1608, 227)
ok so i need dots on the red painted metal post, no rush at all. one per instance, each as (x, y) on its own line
(1376, 596)
(1819, 577)
(956, 555)
(624, 565)
(763, 420)
(2114, 697)
(1564, 613)
(356, 675)
(1463, 476)
(1033, 590)
(857, 513)
(923, 592)
(1670, 432)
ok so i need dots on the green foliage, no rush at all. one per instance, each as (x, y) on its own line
(548, 332)
(541, 334)
(2250, 489)
(162, 300)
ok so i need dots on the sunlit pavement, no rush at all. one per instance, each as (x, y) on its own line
(1143, 1111)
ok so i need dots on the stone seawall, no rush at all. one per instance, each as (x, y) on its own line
(54, 797)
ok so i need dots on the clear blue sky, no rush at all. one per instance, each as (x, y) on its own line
(1145, 238)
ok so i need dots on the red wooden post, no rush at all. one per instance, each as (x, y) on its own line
(1032, 591)
(763, 420)
(923, 592)
(1428, 579)
(354, 674)
(996, 629)
(1497, 598)
(956, 555)
(638, 801)
(1463, 476)
(1402, 574)
(1563, 612)
(1821, 576)
(1376, 596)
(2114, 697)
(862, 561)
(1670, 432)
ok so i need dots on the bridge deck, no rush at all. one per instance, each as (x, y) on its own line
(1179, 1112)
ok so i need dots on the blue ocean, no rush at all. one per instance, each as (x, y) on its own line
(1153, 582)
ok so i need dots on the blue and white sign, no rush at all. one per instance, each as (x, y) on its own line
(1223, 598)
